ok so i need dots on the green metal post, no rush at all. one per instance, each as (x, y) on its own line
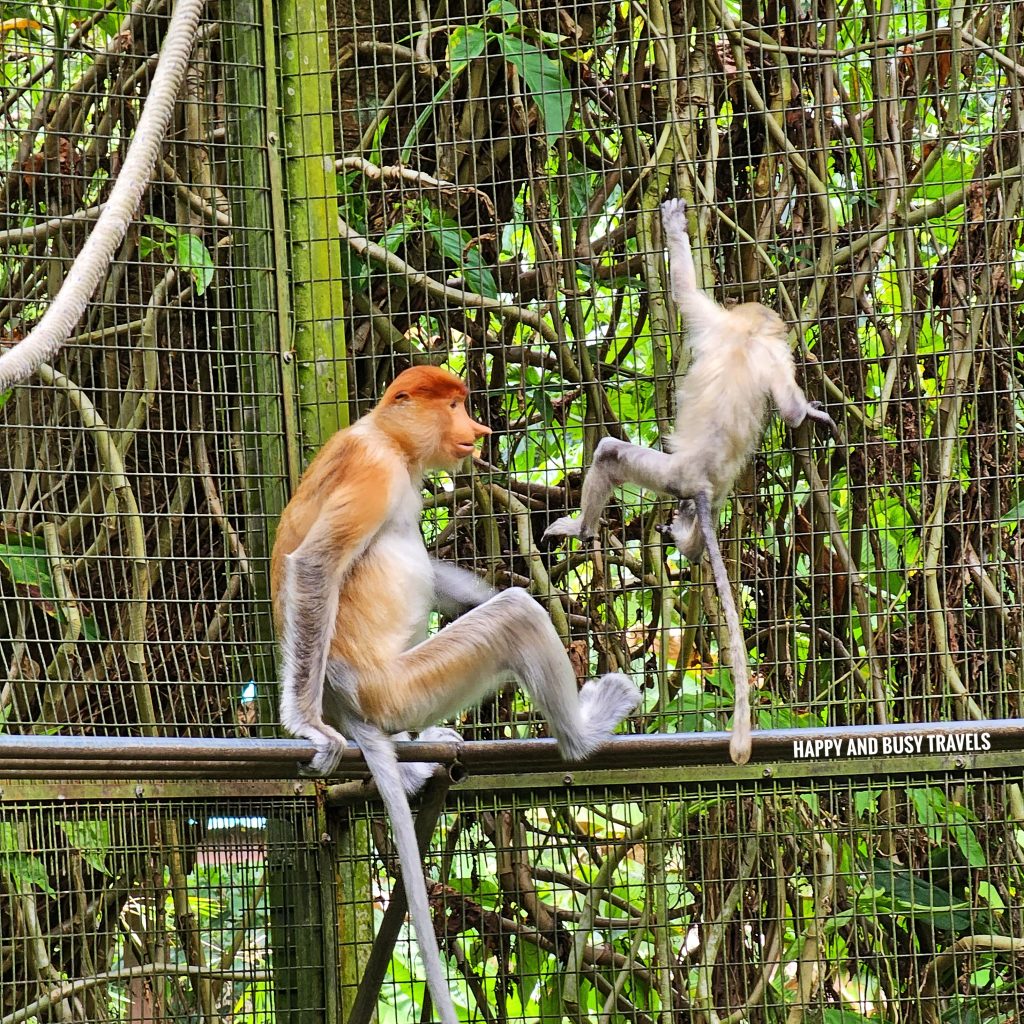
(261, 325)
(312, 213)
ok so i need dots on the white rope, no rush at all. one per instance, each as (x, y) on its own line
(43, 342)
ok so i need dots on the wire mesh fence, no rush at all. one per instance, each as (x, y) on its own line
(498, 173)
(842, 900)
(858, 171)
(354, 188)
(195, 909)
(864, 897)
(142, 471)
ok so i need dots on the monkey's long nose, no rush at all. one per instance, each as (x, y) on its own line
(479, 430)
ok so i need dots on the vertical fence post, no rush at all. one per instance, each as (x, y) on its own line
(315, 247)
(261, 323)
(302, 971)
(317, 357)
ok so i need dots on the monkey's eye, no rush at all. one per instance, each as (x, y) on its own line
(454, 404)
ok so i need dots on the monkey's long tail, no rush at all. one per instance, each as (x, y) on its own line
(739, 743)
(379, 752)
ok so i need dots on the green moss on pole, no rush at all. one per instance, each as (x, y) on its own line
(315, 249)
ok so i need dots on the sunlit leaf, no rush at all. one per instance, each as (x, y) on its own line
(544, 78)
(192, 256)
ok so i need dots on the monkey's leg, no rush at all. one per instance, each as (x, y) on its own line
(615, 463)
(508, 636)
(685, 531)
(457, 590)
(415, 774)
(739, 742)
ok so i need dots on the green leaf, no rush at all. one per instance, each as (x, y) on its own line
(950, 174)
(912, 895)
(91, 839)
(464, 45)
(452, 242)
(505, 10)
(192, 256)
(158, 222)
(1014, 516)
(449, 241)
(27, 565)
(834, 1015)
(25, 869)
(477, 274)
(545, 80)
(970, 846)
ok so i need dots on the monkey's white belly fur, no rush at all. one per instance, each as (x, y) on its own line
(388, 599)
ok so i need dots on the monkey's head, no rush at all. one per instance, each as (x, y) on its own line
(424, 410)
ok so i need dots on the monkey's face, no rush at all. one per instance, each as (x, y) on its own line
(457, 436)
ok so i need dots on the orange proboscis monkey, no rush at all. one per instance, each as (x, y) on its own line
(353, 589)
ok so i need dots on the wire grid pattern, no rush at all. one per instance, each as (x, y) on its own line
(838, 900)
(518, 158)
(133, 551)
(160, 910)
(857, 170)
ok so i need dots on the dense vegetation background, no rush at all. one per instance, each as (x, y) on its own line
(489, 183)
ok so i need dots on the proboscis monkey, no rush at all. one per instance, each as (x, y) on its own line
(739, 359)
(353, 588)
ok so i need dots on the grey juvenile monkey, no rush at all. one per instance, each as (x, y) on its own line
(740, 357)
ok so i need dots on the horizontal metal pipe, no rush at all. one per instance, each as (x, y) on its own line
(282, 758)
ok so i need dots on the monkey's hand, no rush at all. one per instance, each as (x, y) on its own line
(673, 217)
(329, 748)
(816, 412)
(567, 526)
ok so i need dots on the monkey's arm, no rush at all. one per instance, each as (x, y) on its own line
(313, 576)
(615, 463)
(457, 590)
(697, 308)
(792, 402)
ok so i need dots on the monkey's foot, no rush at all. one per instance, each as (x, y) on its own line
(673, 217)
(329, 751)
(816, 412)
(604, 703)
(684, 530)
(567, 526)
(415, 774)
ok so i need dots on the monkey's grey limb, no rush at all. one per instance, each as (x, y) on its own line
(509, 636)
(739, 743)
(615, 463)
(415, 774)
(816, 412)
(311, 609)
(695, 306)
(685, 531)
(457, 590)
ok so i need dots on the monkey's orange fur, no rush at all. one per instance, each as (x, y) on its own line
(358, 481)
(354, 587)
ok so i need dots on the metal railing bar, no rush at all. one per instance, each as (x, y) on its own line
(283, 758)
